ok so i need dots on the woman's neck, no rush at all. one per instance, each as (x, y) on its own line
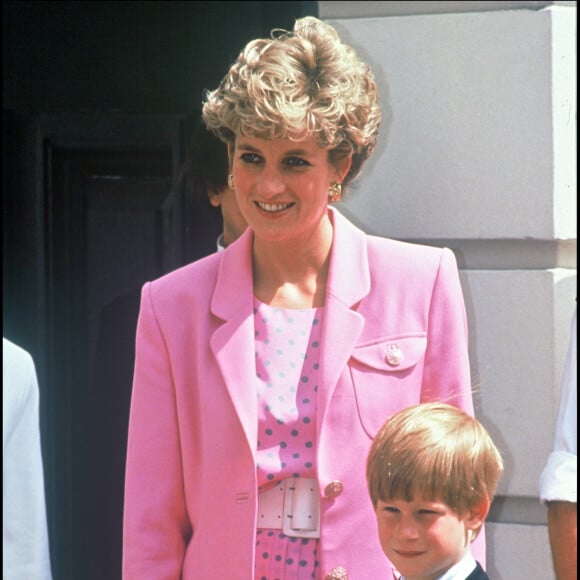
(290, 274)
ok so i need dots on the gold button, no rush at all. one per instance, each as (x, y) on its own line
(333, 489)
(394, 355)
(338, 573)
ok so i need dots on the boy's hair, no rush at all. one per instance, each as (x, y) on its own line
(437, 452)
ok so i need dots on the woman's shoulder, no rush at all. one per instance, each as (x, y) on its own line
(391, 258)
(195, 275)
(409, 252)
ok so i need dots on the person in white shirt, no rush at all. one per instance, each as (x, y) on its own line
(558, 481)
(24, 527)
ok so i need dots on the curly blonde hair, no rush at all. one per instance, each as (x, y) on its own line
(296, 84)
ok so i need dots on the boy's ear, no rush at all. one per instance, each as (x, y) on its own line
(476, 516)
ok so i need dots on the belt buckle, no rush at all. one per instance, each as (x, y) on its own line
(301, 511)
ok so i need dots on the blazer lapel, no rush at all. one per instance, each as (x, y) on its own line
(232, 342)
(348, 283)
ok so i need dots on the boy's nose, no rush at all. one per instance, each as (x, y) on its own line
(407, 528)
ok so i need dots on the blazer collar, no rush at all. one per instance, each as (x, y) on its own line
(348, 283)
(233, 301)
(348, 277)
(231, 342)
(234, 287)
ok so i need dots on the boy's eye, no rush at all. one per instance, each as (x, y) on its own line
(391, 509)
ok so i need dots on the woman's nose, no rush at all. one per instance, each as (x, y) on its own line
(270, 183)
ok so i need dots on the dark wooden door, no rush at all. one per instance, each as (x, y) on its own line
(115, 216)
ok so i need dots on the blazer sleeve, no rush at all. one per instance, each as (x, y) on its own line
(447, 372)
(156, 526)
(447, 375)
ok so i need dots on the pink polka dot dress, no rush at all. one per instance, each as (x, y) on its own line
(287, 345)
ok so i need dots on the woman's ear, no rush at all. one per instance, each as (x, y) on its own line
(343, 167)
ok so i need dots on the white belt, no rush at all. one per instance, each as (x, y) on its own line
(292, 506)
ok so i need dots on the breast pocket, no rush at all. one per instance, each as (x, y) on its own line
(386, 376)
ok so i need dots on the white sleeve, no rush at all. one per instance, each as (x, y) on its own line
(24, 526)
(558, 480)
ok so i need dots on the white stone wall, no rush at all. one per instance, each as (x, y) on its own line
(480, 156)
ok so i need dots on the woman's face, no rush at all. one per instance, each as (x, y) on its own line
(282, 185)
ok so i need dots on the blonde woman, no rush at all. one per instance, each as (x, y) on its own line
(263, 372)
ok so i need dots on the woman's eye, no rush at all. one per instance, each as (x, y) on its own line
(249, 158)
(296, 162)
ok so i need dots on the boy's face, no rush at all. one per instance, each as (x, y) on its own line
(423, 539)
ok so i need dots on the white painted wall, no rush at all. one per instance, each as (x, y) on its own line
(480, 155)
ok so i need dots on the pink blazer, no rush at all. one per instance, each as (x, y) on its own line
(190, 496)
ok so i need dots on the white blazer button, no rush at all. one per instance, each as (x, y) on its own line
(333, 489)
(394, 355)
(338, 573)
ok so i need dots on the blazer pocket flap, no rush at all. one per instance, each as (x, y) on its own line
(393, 353)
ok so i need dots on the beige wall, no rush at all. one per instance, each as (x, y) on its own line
(480, 155)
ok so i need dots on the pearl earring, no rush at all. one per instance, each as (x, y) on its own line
(334, 192)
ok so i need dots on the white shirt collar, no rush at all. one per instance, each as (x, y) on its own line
(220, 243)
(459, 571)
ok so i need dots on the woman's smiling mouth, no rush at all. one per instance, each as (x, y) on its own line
(273, 207)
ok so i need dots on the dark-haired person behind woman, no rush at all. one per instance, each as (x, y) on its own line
(205, 176)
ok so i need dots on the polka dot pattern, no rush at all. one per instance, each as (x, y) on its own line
(281, 558)
(287, 344)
